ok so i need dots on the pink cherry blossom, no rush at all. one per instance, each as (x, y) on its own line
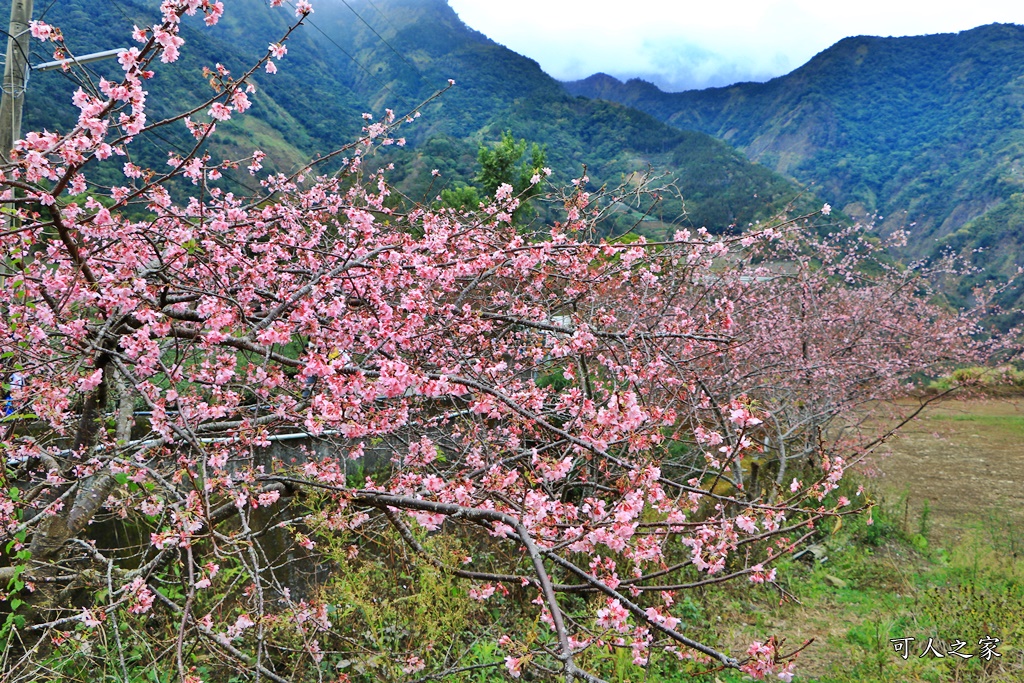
(219, 111)
(40, 30)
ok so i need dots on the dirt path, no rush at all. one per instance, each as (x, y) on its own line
(966, 458)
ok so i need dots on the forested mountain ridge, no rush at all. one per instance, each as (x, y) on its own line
(924, 131)
(364, 56)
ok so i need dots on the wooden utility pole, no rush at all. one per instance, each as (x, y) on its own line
(15, 76)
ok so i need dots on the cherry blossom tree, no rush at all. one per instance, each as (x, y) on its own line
(831, 330)
(594, 411)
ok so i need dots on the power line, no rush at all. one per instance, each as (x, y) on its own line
(16, 71)
(120, 9)
(400, 55)
(382, 15)
(52, 3)
(346, 53)
(334, 43)
(18, 45)
(416, 69)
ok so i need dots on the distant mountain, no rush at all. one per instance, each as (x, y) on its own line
(365, 55)
(924, 131)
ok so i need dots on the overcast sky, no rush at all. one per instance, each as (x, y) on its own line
(685, 44)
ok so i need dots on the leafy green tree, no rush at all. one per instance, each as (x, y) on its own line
(508, 163)
(462, 196)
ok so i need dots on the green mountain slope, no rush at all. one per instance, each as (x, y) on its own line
(363, 56)
(925, 131)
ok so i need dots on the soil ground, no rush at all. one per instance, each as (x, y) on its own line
(964, 459)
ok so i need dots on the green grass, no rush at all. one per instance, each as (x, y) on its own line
(1008, 422)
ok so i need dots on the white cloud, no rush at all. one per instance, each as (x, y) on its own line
(696, 44)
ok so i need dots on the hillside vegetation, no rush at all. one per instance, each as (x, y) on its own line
(924, 132)
(367, 56)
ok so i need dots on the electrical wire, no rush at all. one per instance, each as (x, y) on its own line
(400, 55)
(382, 15)
(333, 42)
(347, 54)
(124, 14)
(43, 15)
(13, 93)
(28, 67)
